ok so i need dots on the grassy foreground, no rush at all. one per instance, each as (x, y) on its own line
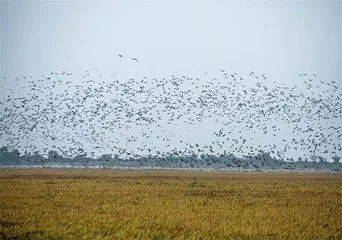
(119, 204)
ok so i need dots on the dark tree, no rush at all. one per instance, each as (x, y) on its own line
(336, 159)
(3, 149)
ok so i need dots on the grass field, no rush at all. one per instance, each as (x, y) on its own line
(127, 204)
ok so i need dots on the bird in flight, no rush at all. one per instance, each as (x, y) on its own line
(135, 59)
(120, 55)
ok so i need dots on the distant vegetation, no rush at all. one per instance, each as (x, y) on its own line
(127, 204)
(261, 161)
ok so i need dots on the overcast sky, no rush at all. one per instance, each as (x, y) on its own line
(280, 39)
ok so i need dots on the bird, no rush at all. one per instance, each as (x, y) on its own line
(134, 59)
(96, 114)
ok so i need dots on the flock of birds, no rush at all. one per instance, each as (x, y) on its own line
(94, 114)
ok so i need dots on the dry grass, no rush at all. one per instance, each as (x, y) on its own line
(118, 204)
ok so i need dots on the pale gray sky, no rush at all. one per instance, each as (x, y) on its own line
(280, 39)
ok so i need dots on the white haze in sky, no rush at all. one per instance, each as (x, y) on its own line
(280, 39)
(277, 38)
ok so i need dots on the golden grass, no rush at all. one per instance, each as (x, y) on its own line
(118, 204)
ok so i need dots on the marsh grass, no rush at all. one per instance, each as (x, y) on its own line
(118, 204)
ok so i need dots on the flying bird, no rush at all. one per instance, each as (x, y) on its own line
(134, 59)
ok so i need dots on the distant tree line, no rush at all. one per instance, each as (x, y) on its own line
(260, 161)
